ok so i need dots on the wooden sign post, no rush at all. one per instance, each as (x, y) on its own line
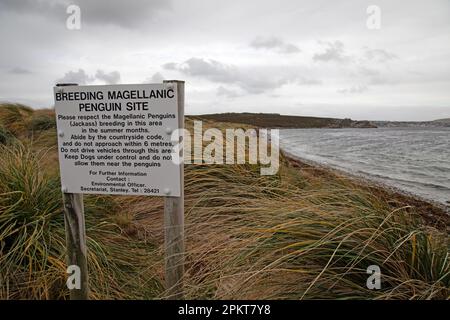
(117, 139)
(76, 236)
(174, 221)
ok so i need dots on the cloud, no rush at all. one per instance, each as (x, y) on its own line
(222, 91)
(28, 6)
(109, 78)
(274, 43)
(373, 77)
(378, 55)
(354, 89)
(157, 78)
(127, 14)
(81, 77)
(170, 66)
(369, 72)
(307, 81)
(19, 70)
(334, 51)
(253, 80)
(118, 36)
(210, 69)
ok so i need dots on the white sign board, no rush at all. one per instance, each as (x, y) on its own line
(116, 139)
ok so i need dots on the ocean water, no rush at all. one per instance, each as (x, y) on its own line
(416, 160)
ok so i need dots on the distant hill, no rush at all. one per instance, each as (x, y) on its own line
(434, 123)
(445, 121)
(275, 120)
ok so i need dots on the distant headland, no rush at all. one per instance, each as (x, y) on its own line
(276, 120)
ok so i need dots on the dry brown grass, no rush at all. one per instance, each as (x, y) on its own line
(303, 233)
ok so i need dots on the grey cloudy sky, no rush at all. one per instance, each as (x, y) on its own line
(289, 56)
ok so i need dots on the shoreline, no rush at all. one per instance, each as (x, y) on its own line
(433, 212)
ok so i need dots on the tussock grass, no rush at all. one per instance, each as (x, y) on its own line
(283, 240)
(24, 122)
(32, 240)
(42, 120)
(15, 118)
(303, 233)
(5, 136)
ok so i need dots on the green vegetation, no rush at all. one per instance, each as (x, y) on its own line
(5, 136)
(303, 233)
(32, 236)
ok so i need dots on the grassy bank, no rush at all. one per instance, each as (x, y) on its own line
(275, 120)
(303, 233)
